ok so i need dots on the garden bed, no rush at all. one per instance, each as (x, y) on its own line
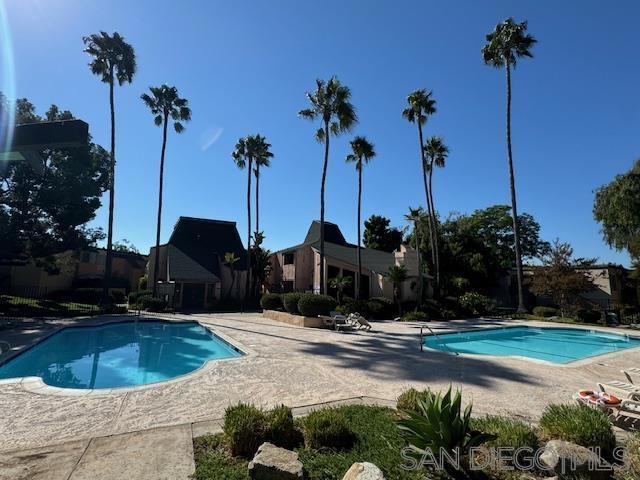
(298, 320)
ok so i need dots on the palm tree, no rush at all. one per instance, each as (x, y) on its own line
(340, 283)
(416, 216)
(420, 107)
(330, 103)
(113, 59)
(230, 259)
(261, 160)
(505, 45)
(164, 104)
(247, 151)
(397, 274)
(436, 153)
(361, 151)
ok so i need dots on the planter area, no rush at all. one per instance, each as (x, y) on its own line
(297, 320)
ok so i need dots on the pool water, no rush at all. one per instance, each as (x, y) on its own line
(119, 355)
(557, 345)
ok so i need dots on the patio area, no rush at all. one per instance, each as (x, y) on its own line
(291, 365)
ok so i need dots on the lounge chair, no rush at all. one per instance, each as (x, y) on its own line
(628, 390)
(631, 371)
(359, 321)
(336, 321)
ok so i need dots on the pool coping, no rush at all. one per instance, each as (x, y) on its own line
(596, 359)
(36, 384)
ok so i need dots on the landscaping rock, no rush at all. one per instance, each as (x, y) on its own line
(275, 463)
(363, 471)
(562, 457)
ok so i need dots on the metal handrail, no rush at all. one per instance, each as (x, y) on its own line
(437, 338)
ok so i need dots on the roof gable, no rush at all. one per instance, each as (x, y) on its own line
(332, 233)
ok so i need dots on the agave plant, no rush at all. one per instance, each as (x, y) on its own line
(440, 425)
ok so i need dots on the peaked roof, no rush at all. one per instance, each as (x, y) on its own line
(206, 241)
(332, 233)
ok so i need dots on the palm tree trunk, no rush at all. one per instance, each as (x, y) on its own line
(156, 260)
(434, 226)
(417, 235)
(514, 209)
(248, 280)
(359, 276)
(257, 197)
(426, 193)
(112, 181)
(324, 179)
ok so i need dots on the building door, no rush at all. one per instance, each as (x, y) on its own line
(193, 296)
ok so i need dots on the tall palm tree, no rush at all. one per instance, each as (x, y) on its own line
(113, 59)
(436, 153)
(397, 274)
(247, 151)
(361, 153)
(164, 104)
(262, 160)
(330, 102)
(420, 106)
(507, 43)
(416, 216)
(230, 260)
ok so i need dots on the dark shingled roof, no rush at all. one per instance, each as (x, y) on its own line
(206, 242)
(183, 267)
(332, 233)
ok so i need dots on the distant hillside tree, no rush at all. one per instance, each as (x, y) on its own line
(380, 236)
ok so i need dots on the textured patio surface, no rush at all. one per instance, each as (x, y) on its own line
(295, 366)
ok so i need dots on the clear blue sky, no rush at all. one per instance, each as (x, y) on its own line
(245, 66)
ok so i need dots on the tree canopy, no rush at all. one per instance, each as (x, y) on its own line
(45, 212)
(617, 208)
(380, 236)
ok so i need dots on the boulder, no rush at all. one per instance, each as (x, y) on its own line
(562, 457)
(275, 463)
(363, 471)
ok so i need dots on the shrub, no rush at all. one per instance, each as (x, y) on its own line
(281, 428)
(475, 303)
(152, 304)
(350, 305)
(431, 308)
(311, 305)
(578, 424)
(408, 400)
(380, 307)
(510, 433)
(440, 423)
(142, 282)
(415, 317)
(290, 302)
(134, 297)
(545, 312)
(588, 316)
(245, 428)
(271, 301)
(327, 428)
(117, 296)
(631, 469)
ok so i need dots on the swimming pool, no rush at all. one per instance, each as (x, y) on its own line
(557, 345)
(119, 354)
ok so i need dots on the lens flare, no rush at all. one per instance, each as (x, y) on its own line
(7, 82)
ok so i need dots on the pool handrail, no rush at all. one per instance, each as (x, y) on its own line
(437, 338)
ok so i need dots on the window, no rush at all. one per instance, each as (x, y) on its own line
(288, 258)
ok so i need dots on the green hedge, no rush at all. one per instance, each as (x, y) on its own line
(311, 305)
(271, 301)
(475, 303)
(290, 302)
(152, 304)
(351, 305)
(381, 308)
(415, 317)
(327, 428)
(545, 312)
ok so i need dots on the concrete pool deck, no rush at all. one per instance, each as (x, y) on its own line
(295, 366)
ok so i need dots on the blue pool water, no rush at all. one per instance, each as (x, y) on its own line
(119, 355)
(557, 345)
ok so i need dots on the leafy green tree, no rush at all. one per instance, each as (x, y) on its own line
(247, 151)
(340, 283)
(361, 153)
(507, 43)
(421, 106)
(559, 277)
(380, 236)
(45, 211)
(126, 246)
(417, 217)
(113, 60)
(397, 275)
(164, 103)
(436, 153)
(617, 208)
(330, 103)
